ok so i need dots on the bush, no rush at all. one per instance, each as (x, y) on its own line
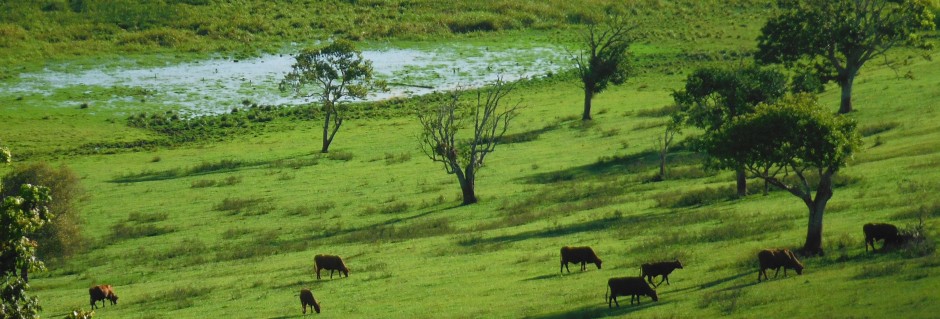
(63, 237)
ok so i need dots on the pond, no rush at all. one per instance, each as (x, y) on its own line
(218, 85)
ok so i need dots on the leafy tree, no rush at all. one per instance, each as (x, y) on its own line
(794, 136)
(337, 72)
(464, 157)
(839, 37)
(20, 216)
(605, 58)
(715, 96)
(61, 237)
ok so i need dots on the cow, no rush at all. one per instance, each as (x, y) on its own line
(576, 255)
(650, 270)
(307, 299)
(628, 286)
(879, 231)
(102, 292)
(775, 259)
(330, 263)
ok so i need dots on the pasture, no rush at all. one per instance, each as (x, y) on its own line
(229, 226)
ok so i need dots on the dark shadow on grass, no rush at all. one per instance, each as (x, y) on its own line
(344, 233)
(626, 164)
(725, 279)
(588, 226)
(222, 166)
(543, 277)
(602, 310)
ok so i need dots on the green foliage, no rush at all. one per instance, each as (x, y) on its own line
(714, 96)
(21, 216)
(838, 37)
(335, 72)
(794, 133)
(14, 300)
(62, 237)
(604, 58)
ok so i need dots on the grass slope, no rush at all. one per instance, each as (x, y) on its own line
(229, 228)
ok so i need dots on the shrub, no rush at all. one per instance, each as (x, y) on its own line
(340, 156)
(63, 237)
(122, 231)
(238, 204)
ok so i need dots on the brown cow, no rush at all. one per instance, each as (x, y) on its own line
(576, 255)
(628, 286)
(775, 259)
(102, 292)
(330, 263)
(664, 268)
(307, 299)
(879, 231)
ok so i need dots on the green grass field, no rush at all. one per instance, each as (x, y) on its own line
(228, 227)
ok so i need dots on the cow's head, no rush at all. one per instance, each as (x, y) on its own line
(598, 263)
(654, 295)
(678, 264)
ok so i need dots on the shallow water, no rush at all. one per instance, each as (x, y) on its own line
(216, 86)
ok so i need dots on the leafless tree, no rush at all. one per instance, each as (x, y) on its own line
(441, 124)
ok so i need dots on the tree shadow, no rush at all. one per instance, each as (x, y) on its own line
(612, 165)
(603, 310)
(223, 166)
(543, 277)
(371, 227)
(588, 226)
(728, 279)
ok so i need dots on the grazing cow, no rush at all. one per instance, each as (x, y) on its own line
(307, 299)
(330, 263)
(650, 270)
(775, 259)
(101, 293)
(576, 255)
(879, 231)
(628, 286)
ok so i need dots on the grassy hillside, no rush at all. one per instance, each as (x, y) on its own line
(229, 227)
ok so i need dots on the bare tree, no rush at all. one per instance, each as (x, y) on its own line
(461, 156)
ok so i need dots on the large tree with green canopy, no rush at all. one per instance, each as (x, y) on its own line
(793, 144)
(837, 38)
(336, 73)
(714, 96)
(20, 216)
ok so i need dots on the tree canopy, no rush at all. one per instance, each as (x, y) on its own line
(605, 57)
(715, 96)
(336, 72)
(838, 37)
(20, 216)
(793, 136)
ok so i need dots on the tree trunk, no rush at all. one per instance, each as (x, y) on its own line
(467, 186)
(817, 207)
(846, 105)
(326, 131)
(25, 274)
(588, 95)
(662, 164)
(742, 182)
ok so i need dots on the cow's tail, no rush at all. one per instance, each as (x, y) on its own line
(606, 292)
